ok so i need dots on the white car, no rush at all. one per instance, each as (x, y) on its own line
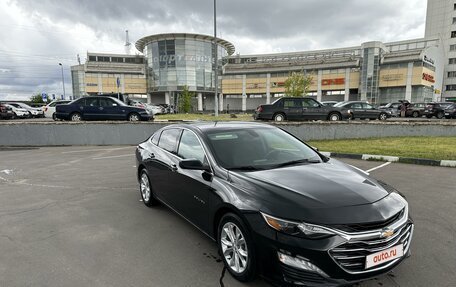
(34, 112)
(49, 109)
(156, 110)
(19, 112)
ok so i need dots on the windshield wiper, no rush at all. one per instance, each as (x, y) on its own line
(293, 162)
(247, 167)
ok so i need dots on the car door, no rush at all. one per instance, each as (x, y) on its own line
(369, 111)
(89, 108)
(110, 110)
(292, 108)
(313, 110)
(357, 110)
(191, 196)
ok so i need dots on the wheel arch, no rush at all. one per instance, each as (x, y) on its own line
(220, 212)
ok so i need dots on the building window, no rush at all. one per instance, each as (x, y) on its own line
(454, 7)
(452, 74)
(453, 34)
(452, 61)
(93, 58)
(451, 87)
(102, 59)
(452, 47)
(454, 20)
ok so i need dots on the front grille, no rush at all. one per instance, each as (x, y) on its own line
(293, 275)
(359, 227)
(351, 256)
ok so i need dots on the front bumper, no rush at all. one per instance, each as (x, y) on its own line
(318, 253)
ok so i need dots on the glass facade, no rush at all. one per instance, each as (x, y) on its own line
(174, 63)
(370, 62)
(77, 78)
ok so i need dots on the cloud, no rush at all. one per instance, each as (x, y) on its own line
(43, 33)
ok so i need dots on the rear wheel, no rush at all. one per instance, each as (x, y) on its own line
(415, 114)
(54, 117)
(236, 247)
(146, 190)
(440, 115)
(334, 117)
(279, 117)
(75, 117)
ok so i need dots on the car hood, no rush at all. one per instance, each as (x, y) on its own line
(327, 193)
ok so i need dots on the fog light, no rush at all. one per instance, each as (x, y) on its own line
(300, 263)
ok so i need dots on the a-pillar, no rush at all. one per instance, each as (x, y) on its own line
(200, 102)
(268, 88)
(167, 98)
(244, 95)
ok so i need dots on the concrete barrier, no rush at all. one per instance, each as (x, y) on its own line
(126, 133)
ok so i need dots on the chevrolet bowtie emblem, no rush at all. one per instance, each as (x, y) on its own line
(386, 233)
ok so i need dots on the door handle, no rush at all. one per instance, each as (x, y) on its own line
(173, 167)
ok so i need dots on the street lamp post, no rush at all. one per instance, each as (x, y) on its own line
(216, 108)
(63, 81)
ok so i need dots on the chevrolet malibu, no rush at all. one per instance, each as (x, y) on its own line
(275, 206)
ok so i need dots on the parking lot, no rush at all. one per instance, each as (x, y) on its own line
(72, 216)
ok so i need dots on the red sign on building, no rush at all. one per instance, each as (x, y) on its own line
(428, 78)
(337, 81)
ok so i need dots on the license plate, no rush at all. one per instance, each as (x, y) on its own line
(384, 256)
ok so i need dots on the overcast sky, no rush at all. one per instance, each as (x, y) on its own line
(37, 35)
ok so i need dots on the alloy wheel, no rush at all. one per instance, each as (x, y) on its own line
(145, 187)
(279, 118)
(234, 247)
(134, 118)
(334, 117)
(76, 117)
(383, 117)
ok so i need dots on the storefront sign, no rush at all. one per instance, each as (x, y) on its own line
(277, 84)
(337, 81)
(393, 77)
(91, 85)
(182, 58)
(428, 78)
(428, 60)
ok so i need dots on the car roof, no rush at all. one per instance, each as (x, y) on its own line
(205, 127)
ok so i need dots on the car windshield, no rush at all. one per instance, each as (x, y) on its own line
(253, 149)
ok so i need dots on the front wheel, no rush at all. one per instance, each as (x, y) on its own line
(440, 115)
(236, 247)
(415, 114)
(54, 117)
(383, 117)
(133, 117)
(334, 117)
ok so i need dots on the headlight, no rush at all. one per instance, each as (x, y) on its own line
(297, 228)
(349, 111)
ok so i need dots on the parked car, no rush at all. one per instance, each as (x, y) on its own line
(450, 111)
(49, 109)
(393, 108)
(329, 103)
(363, 110)
(154, 109)
(167, 109)
(436, 110)
(34, 112)
(6, 112)
(274, 205)
(18, 112)
(415, 110)
(299, 108)
(100, 108)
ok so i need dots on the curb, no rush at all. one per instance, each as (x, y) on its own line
(418, 161)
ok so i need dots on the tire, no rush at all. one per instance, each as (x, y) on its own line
(279, 117)
(75, 117)
(415, 114)
(233, 224)
(333, 117)
(54, 117)
(14, 116)
(382, 116)
(145, 189)
(440, 115)
(134, 117)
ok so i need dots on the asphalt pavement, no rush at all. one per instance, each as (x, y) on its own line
(72, 216)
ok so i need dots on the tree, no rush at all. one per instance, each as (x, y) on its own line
(185, 100)
(297, 84)
(36, 99)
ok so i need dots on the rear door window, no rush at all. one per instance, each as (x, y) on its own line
(356, 106)
(91, 102)
(168, 139)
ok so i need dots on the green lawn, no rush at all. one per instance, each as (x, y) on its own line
(204, 117)
(438, 148)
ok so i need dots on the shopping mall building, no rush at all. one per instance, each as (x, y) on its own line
(374, 71)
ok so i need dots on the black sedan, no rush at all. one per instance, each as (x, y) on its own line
(274, 205)
(299, 108)
(450, 111)
(363, 110)
(100, 108)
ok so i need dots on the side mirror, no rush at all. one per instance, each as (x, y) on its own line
(193, 164)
